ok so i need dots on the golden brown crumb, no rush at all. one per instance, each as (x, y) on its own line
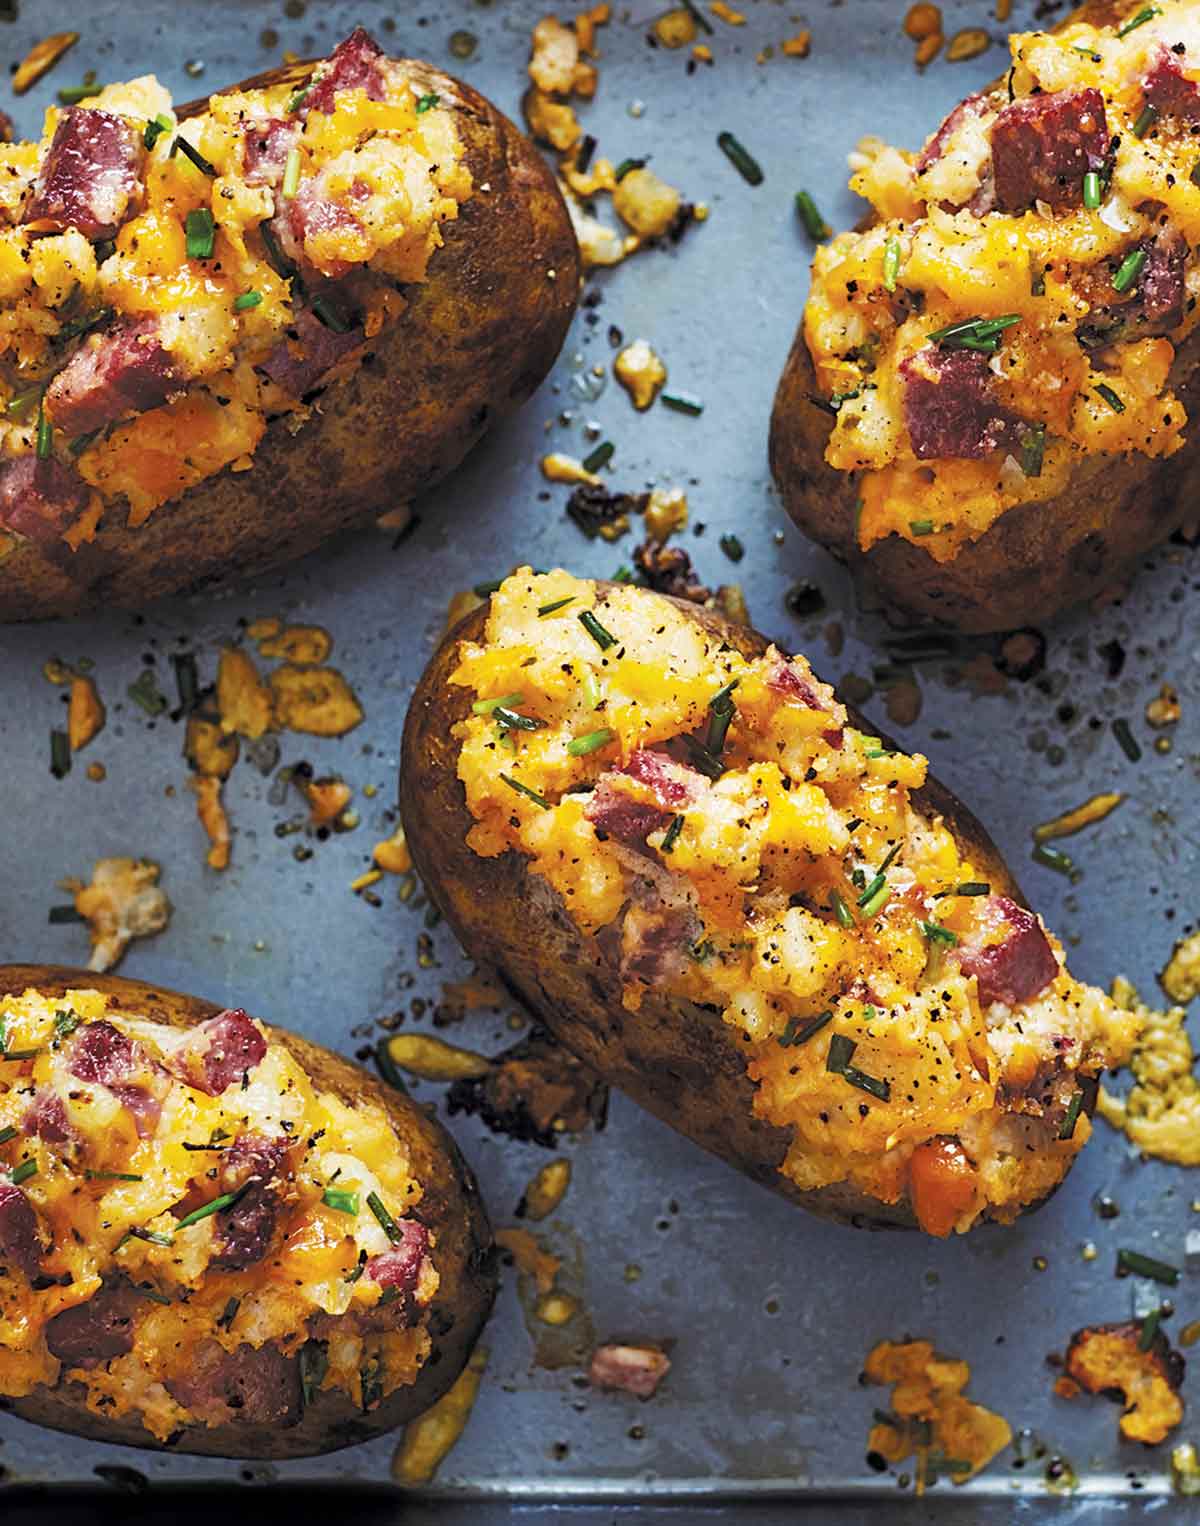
(40, 59)
(122, 902)
(429, 1438)
(969, 43)
(641, 372)
(243, 700)
(316, 701)
(923, 21)
(799, 46)
(211, 810)
(85, 713)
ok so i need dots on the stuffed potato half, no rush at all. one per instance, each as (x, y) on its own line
(987, 409)
(238, 327)
(218, 1237)
(758, 919)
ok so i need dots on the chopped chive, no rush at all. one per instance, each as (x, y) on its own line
(341, 1201)
(974, 333)
(145, 693)
(891, 264)
(874, 901)
(331, 316)
(1125, 737)
(19, 1054)
(1092, 190)
(1053, 858)
(722, 698)
(880, 752)
(921, 526)
(155, 129)
(229, 1314)
(1033, 450)
(1147, 13)
(45, 433)
(841, 1051)
(1145, 121)
(291, 174)
(579, 747)
(599, 457)
(702, 759)
(1086, 53)
(838, 398)
(21, 405)
(625, 166)
(71, 95)
(486, 706)
(485, 590)
(815, 225)
(247, 300)
(593, 696)
(936, 933)
(682, 402)
(390, 1228)
(201, 233)
(1107, 395)
(66, 1020)
(550, 609)
(971, 887)
(799, 1032)
(671, 835)
(523, 789)
(1149, 1329)
(151, 1237)
(603, 639)
(188, 151)
(113, 1176)
(277, 260)
(1071, 1118)
(187, 680)
(732, 547)
(840, 910)
(583, 158)
(7, 1133)
(23, 1172)
(371, 1384)
(1146, 1266)
(314, 1364)
(60, 754)
(1129, 271)
(215, 1206)
(513, 720)
(85, 323)
(427, 103)
(154, 1296)
(721, 712)
(890, 857)
(698, 16)
(745, 164)
(297, 100)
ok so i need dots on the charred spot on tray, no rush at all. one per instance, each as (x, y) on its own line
(668, 569)
(1022, 654)
(592, 507)
(534, 1092)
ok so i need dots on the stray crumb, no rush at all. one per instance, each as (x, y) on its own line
(327, 799)
(558, 467)
(97, 772)
(1116, 1360)
(316, 701)
(727, 14)
(799, 46)
(429, 1437)
(923, 21)
(298, 643)
(122, 902)
(392, 855)
(545, 1191)
(85, 713)
(1165, 709)
(243, 700)
(634, 1370)
(432, 1059)
(666, 513)
(969, 43)
(675, 29)
(1181, 978)
(641, 372)
(1085, 815)
(40, 59)
(211, 810)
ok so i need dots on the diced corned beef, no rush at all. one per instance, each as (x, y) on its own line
(20, 1239)
(255, 1157)
(950, 407)
(1161, 288)
(1043, 146)
(103, 1055)
(309, 214)
(91, 176)
(788, 680)
(353, 65)
(1020, 966)
(300, 362)
(265, 147)
(973, 106)
(40, 499)
(255, 1385)
(674, 784)
(123, 371)
(834, 737)
(95, 1331)
(632, 1369)
(256, 1166)
(617, 814)
(143, 1104)
(1168, 89)
(655, 941)
(46, 1118)
(400, 1267)
(219, 1052)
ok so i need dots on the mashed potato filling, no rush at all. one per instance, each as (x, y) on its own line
(1063, 208)
(215, 1196)
(759, 854)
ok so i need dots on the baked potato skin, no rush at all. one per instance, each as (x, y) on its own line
(1037, 559)
(451, 1208)
(689, 1071)
(476, 341)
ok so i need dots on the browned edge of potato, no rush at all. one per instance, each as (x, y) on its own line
(685, 1065)
(476, 341)
(451, 1208)
(1037, 559)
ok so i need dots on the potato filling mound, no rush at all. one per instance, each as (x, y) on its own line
(1018, 300)
(759, 855)
(191, 1229)
(167, 288)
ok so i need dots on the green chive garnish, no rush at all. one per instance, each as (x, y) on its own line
(484, 590)
(297, 100)
(1085, 53)
(65, 1022)
(732, 547)
(1146, 1266)
(187, 680)
(246, 300)
(745, 164)
(798, 1031)
(841, 1051)
(880, 752)
(1037, 283)
(144, 692)
(341, 1201)
(113, 1176)
(427, 103)
(1106, 394)
(921, 526)
(151, 1237)
(1071, 1118)
(71, 95)
(936, 933)
(1053, 858)
(523, 789)
(1129, 271)
(23, 1172)
(1149, 1329)
(229, 1314)
(840, 910)
(682, 402)
(331, 316)
(1033, 450)
(671, 834)
(486, 706)
(21, 405)
(875, 897)
(1146, 120)
(1092, 190)
(155, 129)
(291, 174)
(579, 747)
(390, 1228)
(1194, 177)
(550, 609)
(974, 333)
(891, 264)
(513, 720)
(314, 1364)
(7, 1133)
(85, 323)
(838, 398)
(698, 16)
(815, 225)
(45, 433)
(181, 145)
(1126, 739)
(972, 887)
(603, 639)
(1147, 13)
(599, 457)
(625, 166)
(201, 232)
(215, 1206)
(60, 754)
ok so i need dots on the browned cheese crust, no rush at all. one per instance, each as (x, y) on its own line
(686, 1066)
(477, 339)
(451, 1208)
(1038, 558)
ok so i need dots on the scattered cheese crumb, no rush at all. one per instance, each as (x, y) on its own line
(666, 513)
(392, 855)
(243, 699)
(122, 902)
(727, 14)
(799, 46)
(641, 372)
(1181, 978)
(1161, 1114)
(969, 43)
(675, 29)
(429, 1437)
(558, 467)
(211, 810)
(923, 21)
(85, 713)
(1164, 709)
(647, 203)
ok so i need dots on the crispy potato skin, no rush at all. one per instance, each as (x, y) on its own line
(451, 1207)
(685, 1067)
(478, 338)
(1037, 559)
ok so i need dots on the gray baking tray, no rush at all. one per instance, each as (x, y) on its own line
(770, 1313)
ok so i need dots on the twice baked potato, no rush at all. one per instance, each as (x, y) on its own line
(986, 407)
(731, 900)
(235, 329)
(216, 1236)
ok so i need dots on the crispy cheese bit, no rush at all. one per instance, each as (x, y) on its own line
(1185, 1469)
(554, 57)
(1181, 978)
(316, 701)
(545, 1191)
(530, 1259)
(666, 513)
(675, 29)
(430, 1437)
(641, 372)
(365, 880)
(85, 713)
(799, 46)
(1109, 1360)
(636, 1370)
(557, 467)
(1003, 9)
(1165, 709)
(727, 14)
(40, 59)
(550, 121)
(211, 810)
(208, 749)
(433, 1059)
(327, 799)
(392, 855)
(928, 49)
(923, 21)
(243, 700)
(57, 672)
(598, 245)
(556, 1308)
(968, 43)
(646, 203)
(1161, 1114)
(263, 628)
(121, 902)
(298, 643)
(586, 23)
(1085, 815)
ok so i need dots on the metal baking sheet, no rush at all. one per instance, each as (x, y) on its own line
(770, 1313)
